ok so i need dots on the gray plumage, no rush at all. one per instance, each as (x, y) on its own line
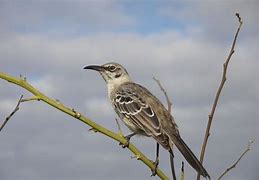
(143, 113)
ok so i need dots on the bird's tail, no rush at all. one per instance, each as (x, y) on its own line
(189, 156)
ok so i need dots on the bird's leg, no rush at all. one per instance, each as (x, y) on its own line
(172, 163)
(156, 161)
(128, 139)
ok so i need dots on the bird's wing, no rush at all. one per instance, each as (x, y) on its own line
(131, 105)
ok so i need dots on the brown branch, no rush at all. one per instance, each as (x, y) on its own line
(11, 114)
(169, 103)
(119, 127)
(237, 161)
(223, 80)
(169, 106)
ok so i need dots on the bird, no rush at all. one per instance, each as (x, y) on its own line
(143, 113)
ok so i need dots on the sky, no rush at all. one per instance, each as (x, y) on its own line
(182, 43)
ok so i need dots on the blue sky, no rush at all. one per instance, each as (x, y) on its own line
(66, 17)
(181, 43)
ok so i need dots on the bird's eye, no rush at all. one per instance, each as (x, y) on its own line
(112, 68)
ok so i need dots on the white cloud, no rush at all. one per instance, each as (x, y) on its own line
(188, 64)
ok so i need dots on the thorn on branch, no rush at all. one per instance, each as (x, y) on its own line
(12, 113)
(58, 101)
(93, 129)
(77, 114)
(135, 157)
(23, 78)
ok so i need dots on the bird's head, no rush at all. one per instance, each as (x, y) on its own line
(112, 73)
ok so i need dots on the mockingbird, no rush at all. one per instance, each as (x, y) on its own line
(143, 113)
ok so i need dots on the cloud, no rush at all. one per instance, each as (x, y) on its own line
(212, 15)
(42, 143)
(60, 17)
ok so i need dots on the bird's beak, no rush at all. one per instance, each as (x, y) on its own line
(94, 67)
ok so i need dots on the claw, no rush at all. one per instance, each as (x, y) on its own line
(128, 139)
(154, 171)
(127, 143)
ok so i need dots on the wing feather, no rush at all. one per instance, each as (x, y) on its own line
(133, 107)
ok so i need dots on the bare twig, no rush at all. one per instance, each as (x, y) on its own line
(11, 114)
(169, 107)
(34, 98)
(119, 127)
(169, 103)
(223, 80)
(237, 161)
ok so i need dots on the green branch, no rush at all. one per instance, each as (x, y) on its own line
(116, 136)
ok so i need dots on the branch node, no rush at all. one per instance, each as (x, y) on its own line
(23, 78)
(93, 129)
(138, 157)
(77, 114)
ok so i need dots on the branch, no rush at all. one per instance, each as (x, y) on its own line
(12, 113)
(117, 137)
(34, 98)
(223, 80)
(169, 106)
(169, 103)
(119, 127)
(237, 161)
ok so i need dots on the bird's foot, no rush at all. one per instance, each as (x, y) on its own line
(154, 171)
(127, 142)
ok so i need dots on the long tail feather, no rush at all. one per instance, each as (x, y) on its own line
(189, 156)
